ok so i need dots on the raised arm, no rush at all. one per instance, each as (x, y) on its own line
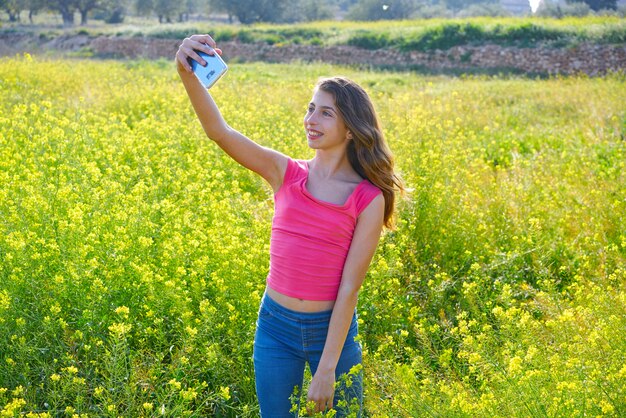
(269, 164)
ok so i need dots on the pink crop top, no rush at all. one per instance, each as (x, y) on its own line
(311, 238)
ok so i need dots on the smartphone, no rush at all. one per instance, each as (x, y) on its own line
(209, 74)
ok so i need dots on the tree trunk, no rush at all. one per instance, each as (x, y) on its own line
(68, 18)
(83, 17)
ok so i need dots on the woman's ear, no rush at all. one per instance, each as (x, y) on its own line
(349, 135)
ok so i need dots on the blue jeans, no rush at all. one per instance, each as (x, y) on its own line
(285, 341)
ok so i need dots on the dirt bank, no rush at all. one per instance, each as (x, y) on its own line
(591, 59)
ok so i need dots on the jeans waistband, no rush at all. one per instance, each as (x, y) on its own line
(279, 310)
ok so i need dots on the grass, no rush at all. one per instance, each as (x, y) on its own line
(133, 253)
(420, 35)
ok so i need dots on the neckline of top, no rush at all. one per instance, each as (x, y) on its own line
(324, 202)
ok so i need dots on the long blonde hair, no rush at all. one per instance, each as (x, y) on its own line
(368, 152)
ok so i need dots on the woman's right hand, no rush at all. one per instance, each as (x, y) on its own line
(188, 48)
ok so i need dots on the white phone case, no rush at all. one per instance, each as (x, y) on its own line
(209, 74)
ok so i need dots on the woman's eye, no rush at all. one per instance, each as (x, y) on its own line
(326, 113)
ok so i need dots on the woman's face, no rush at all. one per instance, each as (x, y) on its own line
(323, 124)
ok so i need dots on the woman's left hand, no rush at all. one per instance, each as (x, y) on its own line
(322, 391)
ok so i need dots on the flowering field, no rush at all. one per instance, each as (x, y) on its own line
(133, 253)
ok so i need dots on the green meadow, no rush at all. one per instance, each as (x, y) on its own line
(133, 253)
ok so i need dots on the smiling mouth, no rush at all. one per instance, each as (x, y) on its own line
(313, 134)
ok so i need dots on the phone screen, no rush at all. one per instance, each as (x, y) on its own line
(209, 74)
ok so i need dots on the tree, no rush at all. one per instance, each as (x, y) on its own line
(144, 7)
(34, 6)
(308, 10)
(85, 6)
(458, 5)
(403, 9)
(251, 11)
(165, 9)
(113, 11)
(455, 5)
(596, 5)
(66, 8)
(484, 10)
(189, 7)
(344, 4)
(13, 8)
(315, 10)
(383, 9)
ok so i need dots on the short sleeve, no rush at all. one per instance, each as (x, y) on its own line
(295, 170)
(366, 194)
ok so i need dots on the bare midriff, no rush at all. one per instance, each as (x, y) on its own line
(299, 305)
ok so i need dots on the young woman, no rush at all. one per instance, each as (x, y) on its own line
(329, 213)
